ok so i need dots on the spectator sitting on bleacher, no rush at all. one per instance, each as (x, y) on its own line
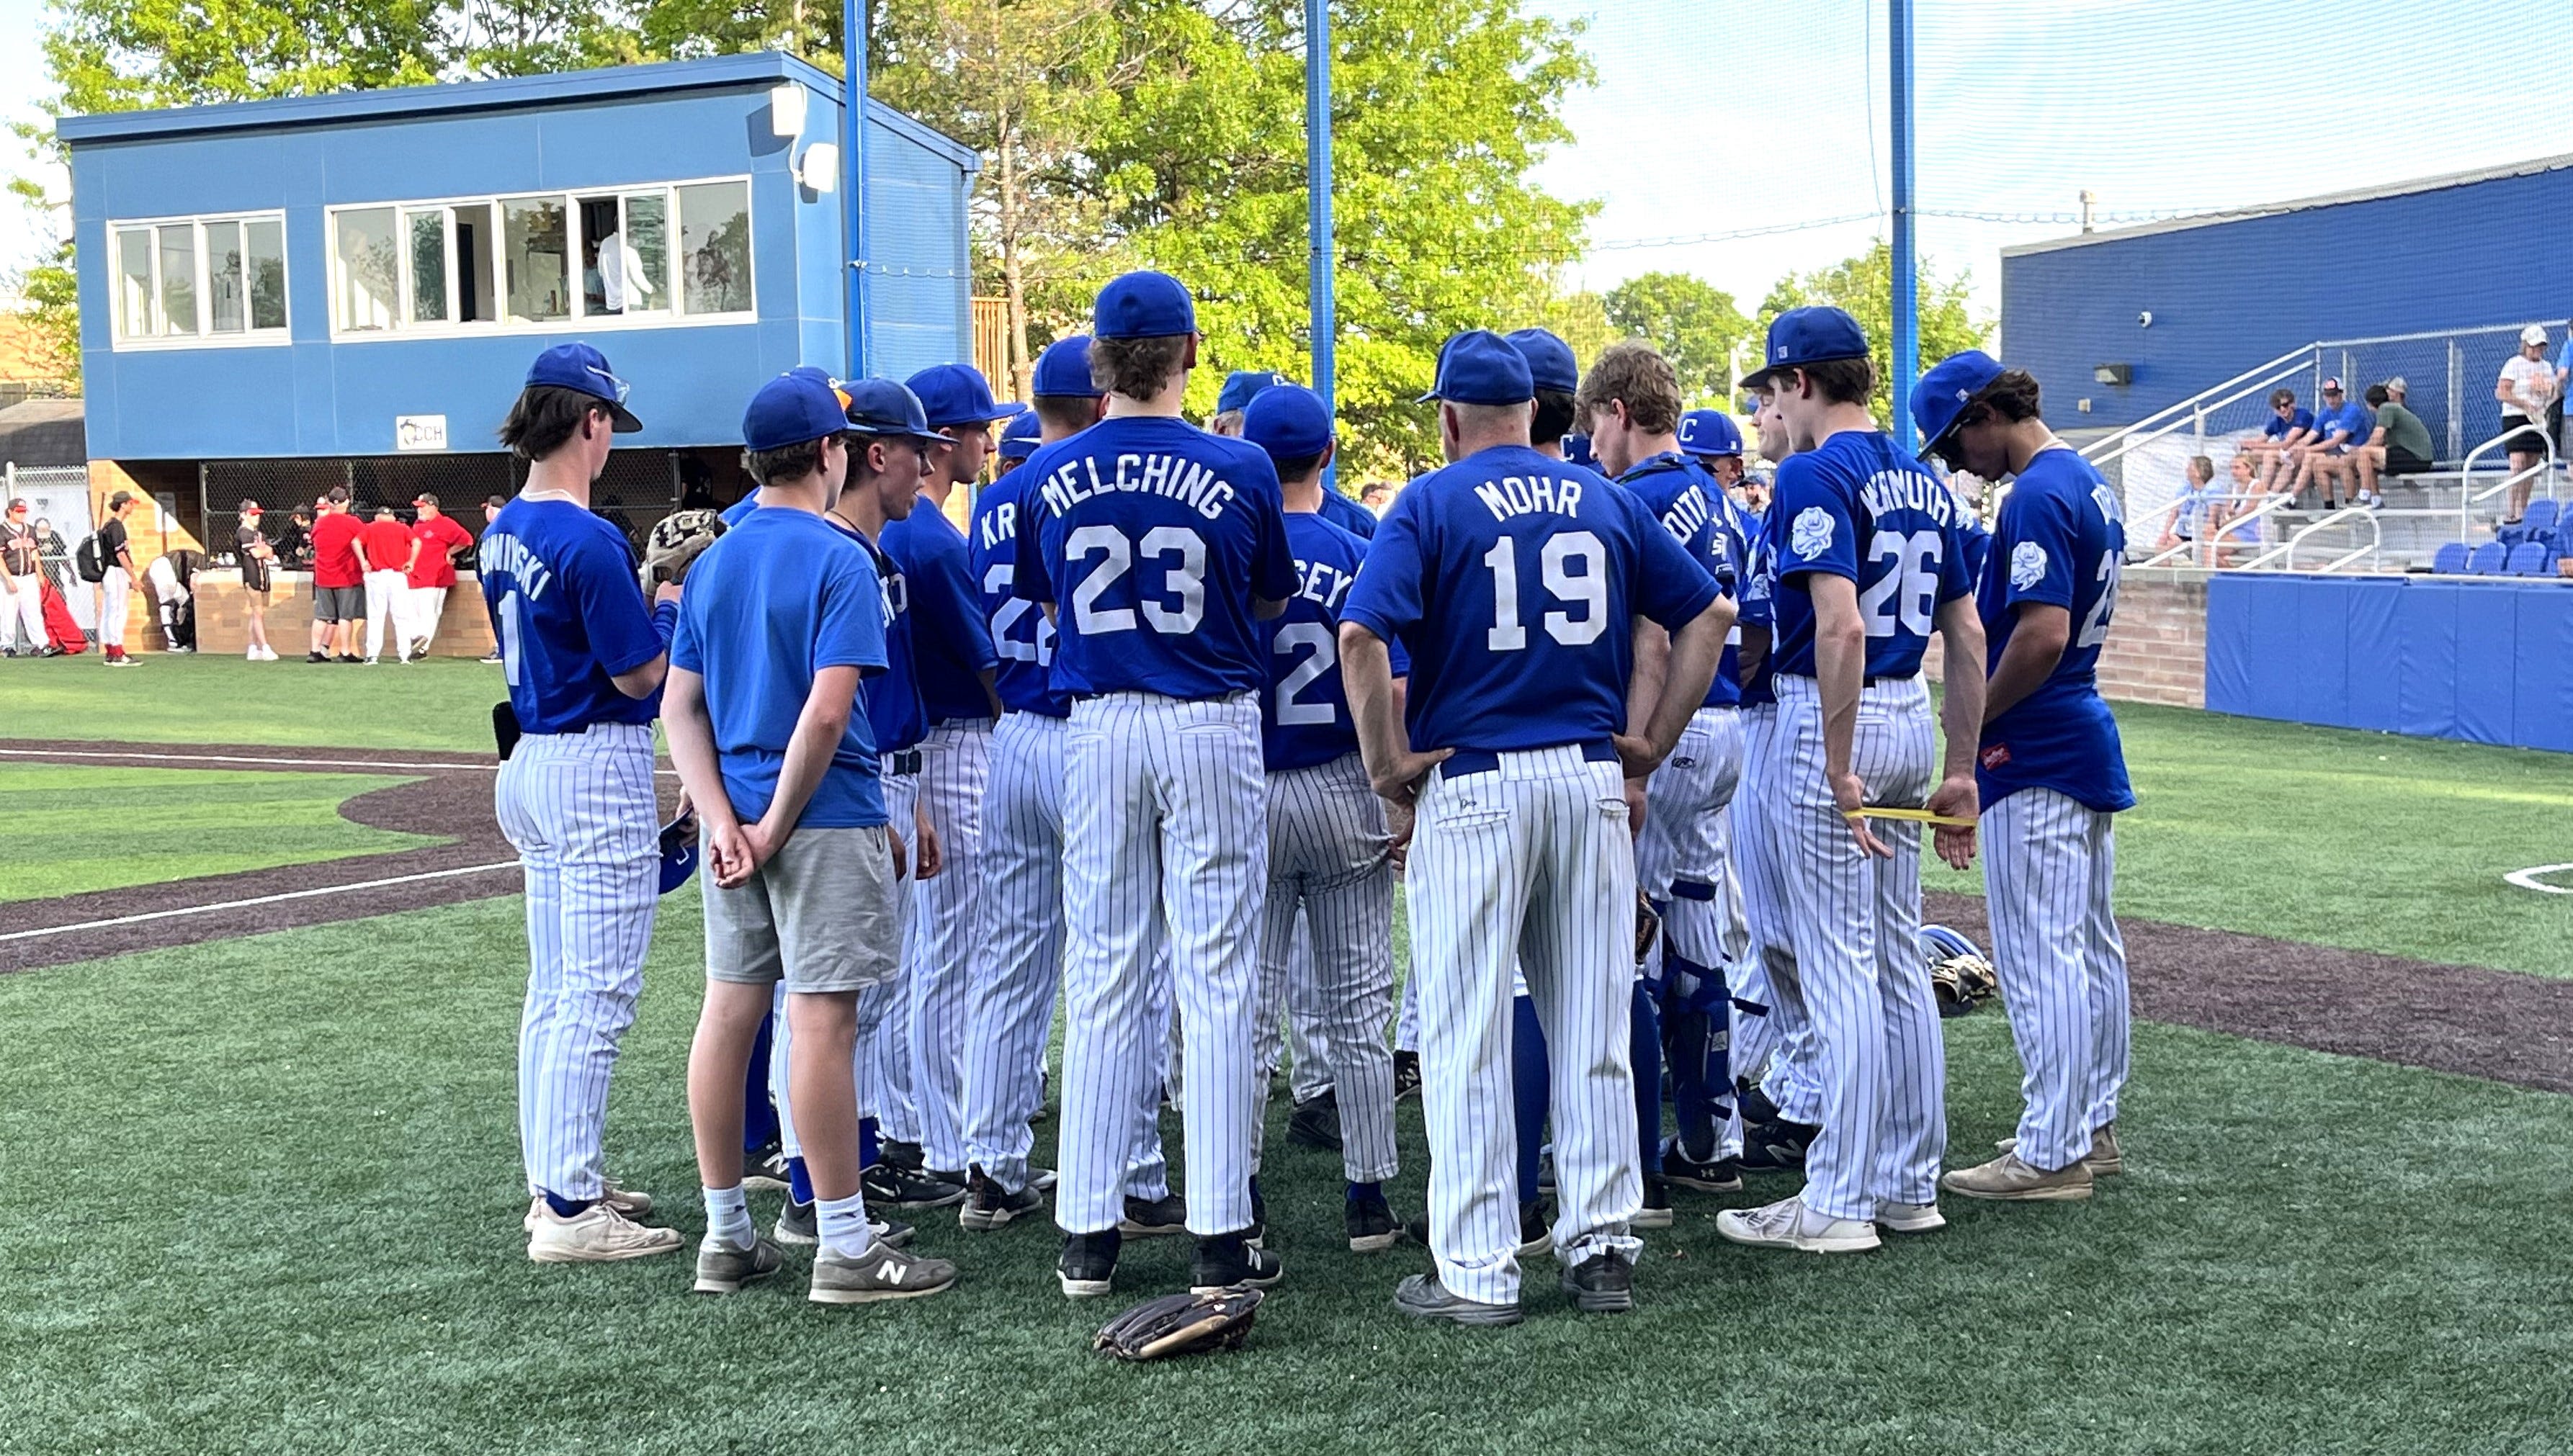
(2240, 533)
(2324, 456)
(2398, 445)
(2188, 514)
(2526, 386)
(2291, 425)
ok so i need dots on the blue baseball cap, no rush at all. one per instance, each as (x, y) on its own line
(1289, 422)
(1812, 335)
(955, 393)
(1479, 366)
(1549, 359)
(1710, 433)
(1577, 451)
(790, 409)
(1144, 305)
(1939, 401)
(885, 409)
(1244, 385)
(1020, 440)
(580, 366)
(1064, 368)
(678, 858)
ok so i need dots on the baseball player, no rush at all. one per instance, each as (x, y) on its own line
(1019, 926)
(22, 577)
(952, 649)
(1630, 402)
(1155, 545)
(116, 586)
(786, 619)
(583, 657)
(385, 552)
(1330, 847)
(1869, 555)
(1513, 581)
(2049, 775)
(1018, 439)
(439, 537)
(339, 581)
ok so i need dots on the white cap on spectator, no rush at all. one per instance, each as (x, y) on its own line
(2533, 334)
(2395, 385)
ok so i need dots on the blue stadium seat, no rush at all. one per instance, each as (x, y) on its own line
(2492, 559)
(2450, 560)
(2532, 559)
(2540, 520)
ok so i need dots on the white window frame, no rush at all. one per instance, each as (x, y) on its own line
(669, 316)
(204, 338)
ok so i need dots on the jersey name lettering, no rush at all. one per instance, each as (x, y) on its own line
(506, 555)
(1322, 583)
(1887, 492)
(1522, 495)
(1000, 526)
(1687, 515)
(1077, 480)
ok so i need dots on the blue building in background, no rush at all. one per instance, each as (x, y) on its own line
(2464, 259)
(281, 295)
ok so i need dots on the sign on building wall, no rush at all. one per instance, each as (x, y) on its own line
(419, 432)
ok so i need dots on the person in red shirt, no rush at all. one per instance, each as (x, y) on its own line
(339, 581)
(437, 538)
(384, 550)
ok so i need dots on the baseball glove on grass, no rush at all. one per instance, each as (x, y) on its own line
(1181, 1324)
(1962, 982)
(675, 544)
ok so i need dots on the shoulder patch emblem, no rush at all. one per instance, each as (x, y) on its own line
(2028, 565)
(1811, 535)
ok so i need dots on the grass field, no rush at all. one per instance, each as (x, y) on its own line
(74, 829)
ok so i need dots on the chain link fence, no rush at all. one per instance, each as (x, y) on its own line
(637, 489)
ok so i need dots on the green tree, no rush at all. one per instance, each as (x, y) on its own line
(130, 55)
(1695, 324)
(1863, 286)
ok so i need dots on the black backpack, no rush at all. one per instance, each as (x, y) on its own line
(87, 562)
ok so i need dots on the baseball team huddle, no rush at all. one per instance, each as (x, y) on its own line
(1162, 728)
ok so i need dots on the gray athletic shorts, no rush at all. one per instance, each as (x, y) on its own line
(339, 603)
(819, 915)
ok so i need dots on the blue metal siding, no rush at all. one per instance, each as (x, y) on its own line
(315, 398)
(2229, 296)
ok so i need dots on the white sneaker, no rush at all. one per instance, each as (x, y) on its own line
(1788, 1223)
(633, 1203)
(597, 1234)
(1910, 1218)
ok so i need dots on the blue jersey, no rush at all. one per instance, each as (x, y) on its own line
(1514, 581)
(1979, 544)
(1729, 546)
(568, 616)
(1683, 495)
(769, 605)
(950, 640)
(739, 511)
(1021, 636)
(2277, 428)
(894, 710)
(1155, 537)
(1758, 597)
(1857, 506)
(1305, 715)
(1348, 515)
(2060, 541)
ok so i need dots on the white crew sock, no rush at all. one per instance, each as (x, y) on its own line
(728, 1219)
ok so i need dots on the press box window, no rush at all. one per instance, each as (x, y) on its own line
(214, 280)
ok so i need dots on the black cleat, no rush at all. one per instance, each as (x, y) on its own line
(1228, 1261)
(1155, 1217)
(904, 1155)
(888, 1186)
(1777, 1146)
(1715, 1175)
(1371, 1225)
(1406, 1074)
(1316, 1121)
(766, 1168)
(1656, 1212)
(1536, 1232)
(1257, 1233)
(1756, 1106)
(316, 656)
(1087, 1265)
(1422, 1297)
(1601, 1284)
(799, 1224)
(988, 1205)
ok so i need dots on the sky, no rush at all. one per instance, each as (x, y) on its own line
(1729, 117)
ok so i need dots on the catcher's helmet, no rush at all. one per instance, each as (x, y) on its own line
(1938, 943)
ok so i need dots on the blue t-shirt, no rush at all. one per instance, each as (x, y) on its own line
(951, 642)
(1684, 496)
(569, 614)
(769, 605)
(1978, 545)
(1305, 714)
(1021, 636)
(895, 713)
(1857, 506)
(2350, 417)
(1155, 537)
(2060, 541)
(1758, 597)
(1514, 580)
(1348, 515)
(2277, 428)
(739, 511)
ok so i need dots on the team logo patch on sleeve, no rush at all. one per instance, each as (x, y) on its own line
(1811, 533)
(2028, 565)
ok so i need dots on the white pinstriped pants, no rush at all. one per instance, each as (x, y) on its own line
(1406, 1018)
(579, 808)
(884, 1023)
(1766, 975)
(1680, 861)
(1328, 869)
(2049, 865)
(1292, 1022)
(1165, 846)
(1857, 926)
(1018, 964)
(1527, 861)
(955, 761)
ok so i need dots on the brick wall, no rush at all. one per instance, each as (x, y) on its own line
(2156, 650)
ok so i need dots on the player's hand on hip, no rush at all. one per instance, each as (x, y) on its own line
(1638, 757)
(929, 860)
(1397, 849)
(1398, 781)
(1850, 796)
(1955, 798)
(729, 855)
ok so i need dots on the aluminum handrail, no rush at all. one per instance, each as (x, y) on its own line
(2196, 401)
(2468, 497)
(2267, 504)
(2287, 551)
(2201, 404)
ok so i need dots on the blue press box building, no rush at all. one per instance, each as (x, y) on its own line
(281, 295)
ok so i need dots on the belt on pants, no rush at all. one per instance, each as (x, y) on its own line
(1483, 761)
(906, 762)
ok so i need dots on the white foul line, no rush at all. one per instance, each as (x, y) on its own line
(2527, 878)
(334, 763)
(58, 930)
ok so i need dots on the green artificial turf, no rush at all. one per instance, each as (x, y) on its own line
(71, 830)
(2365, 840)
(444, 703)
(263, 1196)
